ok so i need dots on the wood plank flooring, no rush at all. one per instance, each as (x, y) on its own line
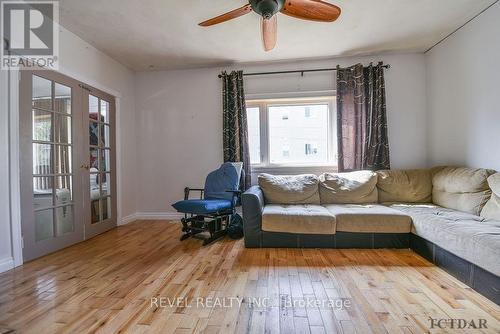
(106, 285)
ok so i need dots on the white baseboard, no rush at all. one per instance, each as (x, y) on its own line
(158, 215)
(150, 216)
(6, 264)
(128, 219)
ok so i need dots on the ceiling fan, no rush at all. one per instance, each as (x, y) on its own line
(313, 10)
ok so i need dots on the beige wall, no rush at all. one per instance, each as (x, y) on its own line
(463, 92)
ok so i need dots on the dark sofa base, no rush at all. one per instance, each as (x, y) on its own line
(338, 240)
(482, 281)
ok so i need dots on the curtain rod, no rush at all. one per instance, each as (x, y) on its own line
(295, 71)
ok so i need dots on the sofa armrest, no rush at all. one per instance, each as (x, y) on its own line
(253, 203)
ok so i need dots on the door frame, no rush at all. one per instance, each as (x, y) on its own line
(26, 165)
(12, 93)
(90, 229)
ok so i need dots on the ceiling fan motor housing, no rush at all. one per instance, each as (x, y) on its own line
(267, 8)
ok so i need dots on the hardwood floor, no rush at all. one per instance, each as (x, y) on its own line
(107, 284)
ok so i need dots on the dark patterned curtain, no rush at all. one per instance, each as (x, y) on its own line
(361, 118)
(235, 130)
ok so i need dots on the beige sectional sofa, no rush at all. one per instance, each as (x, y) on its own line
(450, 215)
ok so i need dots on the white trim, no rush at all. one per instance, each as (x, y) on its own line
(127, 219)
(14, 172)
(6, 264)
(291, 170)
(150, 216)
(118, 159)
(159, 215)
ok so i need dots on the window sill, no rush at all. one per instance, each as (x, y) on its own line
(294, 169)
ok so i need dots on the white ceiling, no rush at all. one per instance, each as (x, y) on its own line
(165, 34)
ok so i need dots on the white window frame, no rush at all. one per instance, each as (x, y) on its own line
(265, 164)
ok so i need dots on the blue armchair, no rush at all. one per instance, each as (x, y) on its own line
(211, 212)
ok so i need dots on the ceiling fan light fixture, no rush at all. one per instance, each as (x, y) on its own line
(267, 16)
(267, 8)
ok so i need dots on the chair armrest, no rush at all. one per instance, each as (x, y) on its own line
(253, 203)
(187, 190)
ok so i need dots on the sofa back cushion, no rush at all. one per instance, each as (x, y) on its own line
(405, 186)
(348, 188)
(290, 189)
(492, 208)
(463, 189)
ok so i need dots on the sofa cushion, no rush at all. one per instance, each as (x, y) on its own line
(348, 188)
(411, 186)
(304, 219)
(463, 189)
(463, 234)
(290, 189)
(492, 208)
(369, 218)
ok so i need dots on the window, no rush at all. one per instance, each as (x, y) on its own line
(292, 132)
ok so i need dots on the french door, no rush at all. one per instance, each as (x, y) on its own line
(99, 181)
(67, 179)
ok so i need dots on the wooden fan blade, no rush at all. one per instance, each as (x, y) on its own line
(269, 32)
(227, 16)
(313, 10)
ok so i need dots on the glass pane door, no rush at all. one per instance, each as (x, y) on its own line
(47, 121)
(100, 148)
(52, 159)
